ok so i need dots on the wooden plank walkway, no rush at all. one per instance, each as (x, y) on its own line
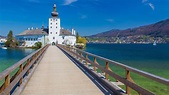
(58, 75)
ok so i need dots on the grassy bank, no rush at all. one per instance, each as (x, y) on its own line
(153, 86)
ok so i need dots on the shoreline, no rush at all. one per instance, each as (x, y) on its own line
(121, 43)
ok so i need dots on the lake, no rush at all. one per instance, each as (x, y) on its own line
(8, 57)
(147, 57)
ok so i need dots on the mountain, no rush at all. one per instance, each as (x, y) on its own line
(159, 29)
(2, 36)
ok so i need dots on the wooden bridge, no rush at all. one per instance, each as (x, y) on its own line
(66, 70)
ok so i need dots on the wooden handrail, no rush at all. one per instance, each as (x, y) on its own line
(128, 81)
(11, 81)
(143, 73)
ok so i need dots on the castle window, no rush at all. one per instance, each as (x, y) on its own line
(53, 37)
(50, 32)
(56, 27)
(50, 19)
(56, 32)
(56, 23)
(53, 20)
(51, 23)
(51, 27)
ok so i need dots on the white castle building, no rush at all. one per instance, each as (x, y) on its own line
(54, 34)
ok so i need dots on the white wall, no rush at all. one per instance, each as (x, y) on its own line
(30, 43)
(2, 40)
(31, 40)
(70, 40)
(54, 29)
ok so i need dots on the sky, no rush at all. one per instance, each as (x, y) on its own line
(87, 17)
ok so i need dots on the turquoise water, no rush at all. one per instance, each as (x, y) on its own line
(153, 59)
(9, 57)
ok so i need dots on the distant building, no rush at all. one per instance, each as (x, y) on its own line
(54, 34)
(2, 39)
(29, 37)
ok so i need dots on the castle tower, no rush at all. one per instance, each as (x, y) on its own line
(54, 26)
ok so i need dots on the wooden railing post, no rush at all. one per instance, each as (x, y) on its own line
(107, 68)
(87, 59)
(7, 82)
(37, 58)
(95, 61)
(81, 56)
(73, 50)
(128, 78)
(28, 61)
(20, 70)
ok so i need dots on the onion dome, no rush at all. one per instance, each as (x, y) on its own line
(54, 13)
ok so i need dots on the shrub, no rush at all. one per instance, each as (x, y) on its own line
(37, 45)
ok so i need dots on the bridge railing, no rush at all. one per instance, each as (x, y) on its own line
(15, 75)
(127, 80)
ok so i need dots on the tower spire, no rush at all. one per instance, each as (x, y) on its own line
(54, 8)
(54, 13)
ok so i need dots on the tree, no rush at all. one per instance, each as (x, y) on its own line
(80, 40)
(11, 42)
(37, 45)
(10, 36)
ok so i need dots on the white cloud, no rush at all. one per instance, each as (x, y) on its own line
(110, 20)
(151, 5)
(68, 2)
(146, 2)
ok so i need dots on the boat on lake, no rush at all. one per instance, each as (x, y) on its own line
(154, 44)
(4, 47)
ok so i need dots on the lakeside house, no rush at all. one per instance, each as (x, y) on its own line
(54, 34)
(2, 39)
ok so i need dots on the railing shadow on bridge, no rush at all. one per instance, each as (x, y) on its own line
(17, 76)
(106, 73)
